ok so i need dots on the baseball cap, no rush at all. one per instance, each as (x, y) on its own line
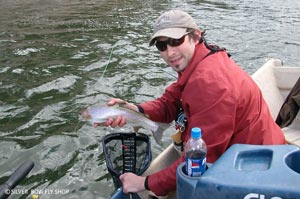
(173, 24)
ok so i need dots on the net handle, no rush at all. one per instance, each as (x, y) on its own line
(119, 194)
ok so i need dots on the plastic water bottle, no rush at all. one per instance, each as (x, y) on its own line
(195, 151)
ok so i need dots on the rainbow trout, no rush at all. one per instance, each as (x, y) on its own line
(100, 113)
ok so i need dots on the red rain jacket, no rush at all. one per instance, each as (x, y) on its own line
(221, 99)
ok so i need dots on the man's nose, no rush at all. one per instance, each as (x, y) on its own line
(170, 50)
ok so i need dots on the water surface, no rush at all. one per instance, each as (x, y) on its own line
(59, 56)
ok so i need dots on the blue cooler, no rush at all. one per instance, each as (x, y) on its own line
(246, 172)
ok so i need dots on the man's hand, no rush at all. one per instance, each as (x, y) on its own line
(132, 183)
(120, 120)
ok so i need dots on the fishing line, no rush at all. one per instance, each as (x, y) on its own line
(111, 52)
(105, 69)
(77, 126)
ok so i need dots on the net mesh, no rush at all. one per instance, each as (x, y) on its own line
(126, 152)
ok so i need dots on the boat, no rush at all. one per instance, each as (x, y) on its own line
(276, 81)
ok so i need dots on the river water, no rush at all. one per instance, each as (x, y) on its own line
(59, 56)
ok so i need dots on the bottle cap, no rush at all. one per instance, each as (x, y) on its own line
(196, 133)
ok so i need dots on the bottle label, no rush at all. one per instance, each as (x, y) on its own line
(195, 167)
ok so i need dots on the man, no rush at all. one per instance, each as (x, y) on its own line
(214, 93)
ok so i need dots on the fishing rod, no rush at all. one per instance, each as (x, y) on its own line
(20, 173)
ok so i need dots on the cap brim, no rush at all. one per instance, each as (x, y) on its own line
(174, 33)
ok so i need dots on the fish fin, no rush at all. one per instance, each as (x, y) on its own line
(159, 132)
(136, 129)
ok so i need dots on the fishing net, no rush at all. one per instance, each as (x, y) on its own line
(126, 152)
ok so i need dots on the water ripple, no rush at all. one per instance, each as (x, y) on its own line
(57, 57)
(62, 85)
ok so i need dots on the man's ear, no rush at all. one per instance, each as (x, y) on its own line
(197, 35)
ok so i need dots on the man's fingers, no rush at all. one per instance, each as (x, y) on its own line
(108, 122)
(96, 124)
(118, 121)
(122, 121)
(114, 101)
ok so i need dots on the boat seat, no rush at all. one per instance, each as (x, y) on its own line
(265, 79)
(292, 132)
(286, 77)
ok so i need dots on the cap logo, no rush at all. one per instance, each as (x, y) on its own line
(163, 21)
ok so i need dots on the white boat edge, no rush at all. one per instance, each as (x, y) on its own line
(276, 81)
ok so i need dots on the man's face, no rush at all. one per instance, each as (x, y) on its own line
(178, 57)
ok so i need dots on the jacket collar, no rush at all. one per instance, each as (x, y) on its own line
(200, 53)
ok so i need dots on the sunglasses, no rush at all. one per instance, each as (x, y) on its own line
(162, 45)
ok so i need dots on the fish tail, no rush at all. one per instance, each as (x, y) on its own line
(85, 114)
(159, 132)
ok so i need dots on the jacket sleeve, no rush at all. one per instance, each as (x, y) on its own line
(164, 181)
(164, 109)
